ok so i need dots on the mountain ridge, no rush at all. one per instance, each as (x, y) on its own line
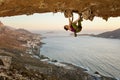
(10, 37)
(110, 34)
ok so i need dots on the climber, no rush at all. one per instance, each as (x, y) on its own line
(73, 25)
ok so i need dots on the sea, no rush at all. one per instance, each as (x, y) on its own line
(92, 53)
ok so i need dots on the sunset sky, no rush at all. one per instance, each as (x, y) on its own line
(50, 21)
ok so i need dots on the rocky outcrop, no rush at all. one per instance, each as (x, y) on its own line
(88, 8)
(5, 62)
(28, 68)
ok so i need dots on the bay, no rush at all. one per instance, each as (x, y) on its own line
(93, 53)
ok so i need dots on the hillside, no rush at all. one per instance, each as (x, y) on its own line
(10, 38)
(110, 34)
(23, 31)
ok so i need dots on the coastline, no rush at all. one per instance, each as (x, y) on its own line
(95, 76)
(28, 65)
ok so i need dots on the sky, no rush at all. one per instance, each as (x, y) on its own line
(56, 21)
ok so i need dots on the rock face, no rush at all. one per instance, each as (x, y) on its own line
(89, 8)
(5, 62)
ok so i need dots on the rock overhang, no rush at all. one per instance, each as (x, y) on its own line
(88, 8)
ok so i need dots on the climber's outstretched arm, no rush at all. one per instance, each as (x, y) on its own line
(70, 21)
(77, 19)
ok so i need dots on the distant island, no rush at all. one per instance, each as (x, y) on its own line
(115, 34)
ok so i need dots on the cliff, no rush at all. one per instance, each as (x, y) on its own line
(10, 38)
(88, 8)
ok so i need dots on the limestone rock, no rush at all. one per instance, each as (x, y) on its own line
(5, 62)
(89, 8)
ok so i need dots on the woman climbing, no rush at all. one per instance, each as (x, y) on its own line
(73, 26)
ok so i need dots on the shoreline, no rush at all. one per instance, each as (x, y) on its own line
(95, 74)
(28, 65)
(70, 66)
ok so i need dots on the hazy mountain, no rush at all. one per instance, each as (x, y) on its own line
(9, 27)
(110, 34)
(23, 31)
(4, 28)
(11, 38)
